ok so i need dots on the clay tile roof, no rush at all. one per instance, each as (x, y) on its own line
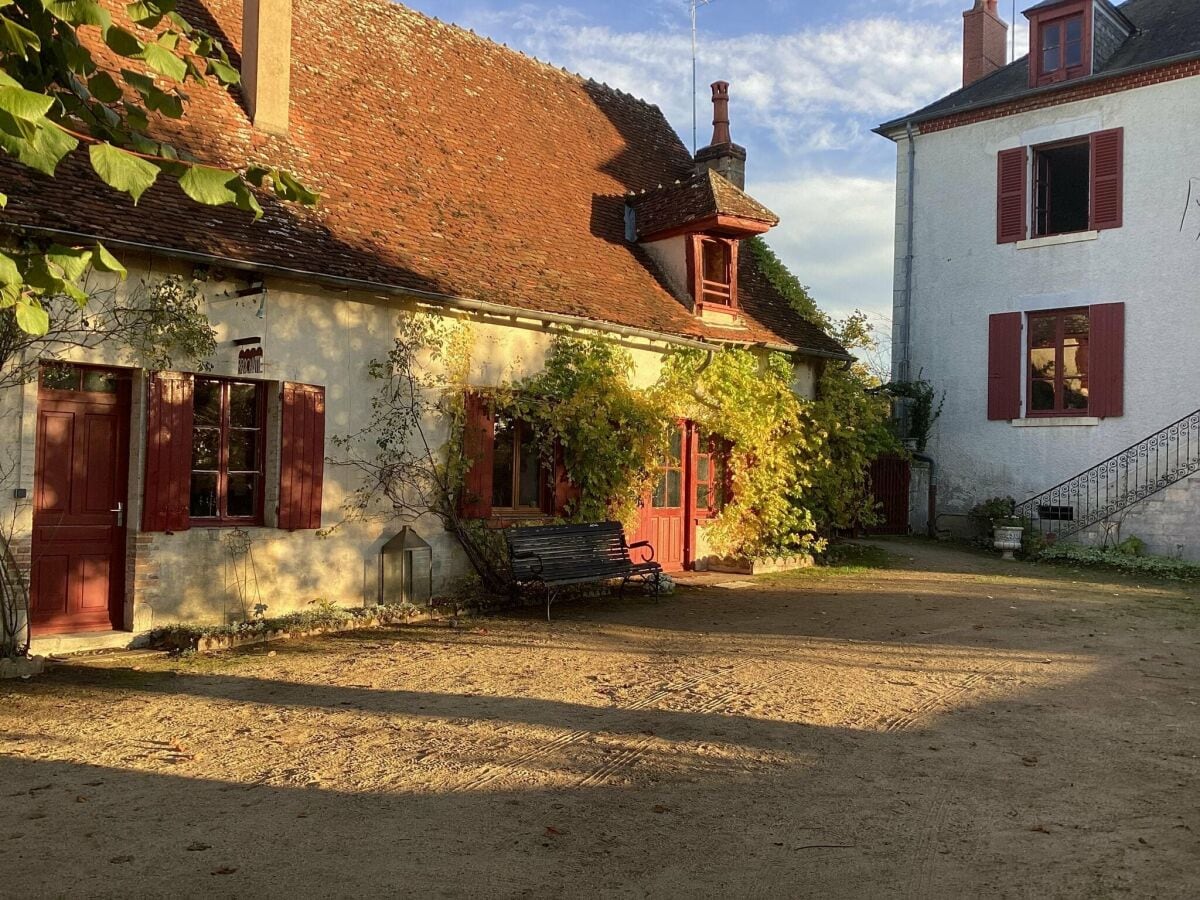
(700, 197)
(446, 164)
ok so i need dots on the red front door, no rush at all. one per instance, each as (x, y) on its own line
(664, 517)
(77, 581)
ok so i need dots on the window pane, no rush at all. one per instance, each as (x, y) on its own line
(502, 464)
(206, 402)
(1074, 29)
(716, 262)
(674, 489)
(1074, 54)
(60, 378)
(1041, 363)
(1076, 324)
(660, 494)
(204, 495)
(243, 495)
(1043, 330)
(529, 491)
(676, 446)
(99, 382)
(702, 496)
(243, 451)
(1075, 393)
(1042, 398)
(206, 448)
(703, 464)
(243, 405)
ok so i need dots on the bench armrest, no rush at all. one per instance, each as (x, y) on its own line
(537, 567)
(644, 546)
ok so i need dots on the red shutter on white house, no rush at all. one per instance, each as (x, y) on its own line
(1106, 360)
(1011, 178)
(302, 457)
(1004, 366)
(167, 496)
(479, 438)
(1108, 189)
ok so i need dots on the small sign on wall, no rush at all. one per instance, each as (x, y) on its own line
(250, 361)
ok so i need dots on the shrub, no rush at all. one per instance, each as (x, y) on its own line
(1150, 566)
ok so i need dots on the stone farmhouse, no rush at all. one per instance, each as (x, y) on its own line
(457, 179)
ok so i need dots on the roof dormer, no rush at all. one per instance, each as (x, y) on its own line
(1071, 39)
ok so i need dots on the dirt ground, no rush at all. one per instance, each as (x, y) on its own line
(952, 726)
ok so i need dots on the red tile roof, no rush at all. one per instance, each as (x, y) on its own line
(445, 162)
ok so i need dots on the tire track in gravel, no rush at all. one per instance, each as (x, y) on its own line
(630, 755)
(929, 705)
(492, 773)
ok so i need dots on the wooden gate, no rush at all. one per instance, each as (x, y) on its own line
(890, 478)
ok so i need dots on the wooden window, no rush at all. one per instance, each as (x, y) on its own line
(518, 473)
(1062, 46)
(711, 468)
(668, 493)
(227, 452)
(1062, 188)
(712, 267)
(1059, 371)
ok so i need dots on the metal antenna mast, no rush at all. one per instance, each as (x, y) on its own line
(695, 5)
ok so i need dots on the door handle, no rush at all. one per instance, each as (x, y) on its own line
(120, 511)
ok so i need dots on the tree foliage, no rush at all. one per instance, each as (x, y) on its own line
(57, 94)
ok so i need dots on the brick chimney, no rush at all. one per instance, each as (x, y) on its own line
(985, 41)
(723, 155)
(267, 62)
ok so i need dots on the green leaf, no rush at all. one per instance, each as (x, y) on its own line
(106, 262)
(43, 151)
(163, 61)
(9, 273)
(295, 191)
(9, 295)
(246, 200)
(104, 88)
(213, 187)
(123, 42)
(225, 73)
(170, 105)
(147, 14)
(121, 170)
(17, 38)
(70, 262)
(25, 105)
(79, 12)
(31, 318)
(3, 200)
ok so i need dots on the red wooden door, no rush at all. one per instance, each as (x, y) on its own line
(890, 479)
(663, 514)
(80, 496)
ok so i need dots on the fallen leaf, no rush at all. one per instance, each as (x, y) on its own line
(551, 831)
(118, 860)
(196, 845)
(225, 870)
(1029, 760)
(662, 809)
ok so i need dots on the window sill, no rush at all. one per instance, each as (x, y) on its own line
(1053, 240)
(1054, 421)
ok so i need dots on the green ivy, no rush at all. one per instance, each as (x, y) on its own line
(1121, 561)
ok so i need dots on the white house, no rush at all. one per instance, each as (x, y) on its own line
(1048, 270)
(458, 179)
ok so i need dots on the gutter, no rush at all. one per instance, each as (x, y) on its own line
(891, 130)
(905, 363)
(449, 301)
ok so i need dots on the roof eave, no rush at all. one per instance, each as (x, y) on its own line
(896, 127)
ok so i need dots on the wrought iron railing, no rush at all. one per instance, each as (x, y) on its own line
(1137, 472)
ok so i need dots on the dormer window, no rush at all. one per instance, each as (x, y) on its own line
(1061, 43)
(712, 262)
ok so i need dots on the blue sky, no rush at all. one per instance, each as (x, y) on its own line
(810, 79)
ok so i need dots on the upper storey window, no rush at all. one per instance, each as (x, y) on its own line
(712, 262)
(1061, 43)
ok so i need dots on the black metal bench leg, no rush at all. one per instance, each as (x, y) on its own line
(549, 600)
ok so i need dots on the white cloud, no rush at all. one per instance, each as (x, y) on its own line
(837, 235)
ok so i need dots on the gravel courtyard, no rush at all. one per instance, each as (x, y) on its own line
(949, 726)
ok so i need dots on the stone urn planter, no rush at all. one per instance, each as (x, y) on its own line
(1007, 539)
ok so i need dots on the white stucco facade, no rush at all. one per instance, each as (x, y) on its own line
(961, 276)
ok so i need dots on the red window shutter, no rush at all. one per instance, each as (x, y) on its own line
(479, 439)
(167, 500)
(1108, 188)
(1011, 205)
(1004, 366)
(1106, 360)
(302, 457)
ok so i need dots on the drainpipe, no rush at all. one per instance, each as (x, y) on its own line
(932, 526)
(904, 366)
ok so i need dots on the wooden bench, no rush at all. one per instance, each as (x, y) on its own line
(556, 556)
